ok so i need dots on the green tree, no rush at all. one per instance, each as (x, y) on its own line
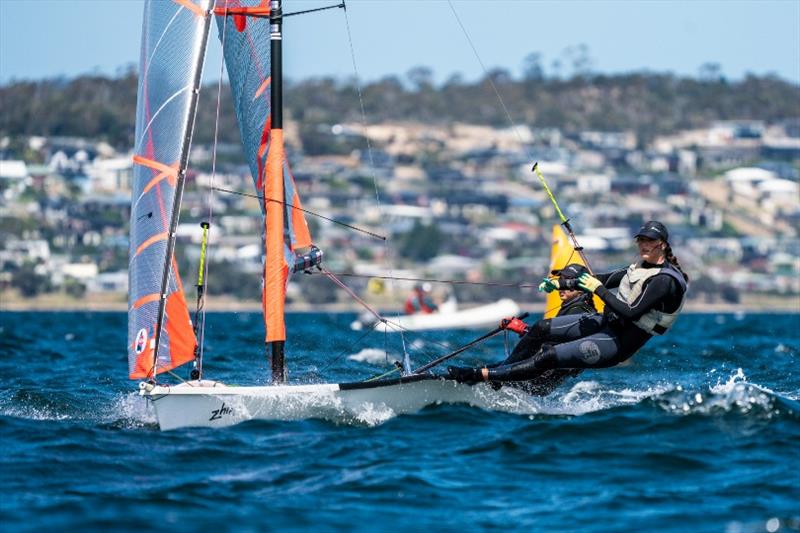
(28, 281)
(422, 243)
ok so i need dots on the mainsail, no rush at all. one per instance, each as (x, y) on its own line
(563, 253)
(174, 37)
(244, 29)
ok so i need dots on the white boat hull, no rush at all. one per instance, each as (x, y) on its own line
(474, 318)
(212, 404)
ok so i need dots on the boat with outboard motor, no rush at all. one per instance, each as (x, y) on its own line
(447, 317)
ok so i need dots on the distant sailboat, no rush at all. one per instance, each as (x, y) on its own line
(161, 336)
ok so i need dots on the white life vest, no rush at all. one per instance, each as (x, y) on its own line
(631, 286)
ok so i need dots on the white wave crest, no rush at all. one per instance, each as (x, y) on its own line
(373, 356)
(734, 394)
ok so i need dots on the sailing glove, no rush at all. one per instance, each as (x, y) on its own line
(588, 282)
(548, 285)
(514, 324)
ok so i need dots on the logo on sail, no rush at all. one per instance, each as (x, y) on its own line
(141, 341)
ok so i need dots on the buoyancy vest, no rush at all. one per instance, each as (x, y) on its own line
(630, 288)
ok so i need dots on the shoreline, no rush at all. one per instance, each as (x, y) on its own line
(47, 303)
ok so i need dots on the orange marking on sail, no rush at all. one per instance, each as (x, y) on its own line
(263, 87)
(194, 8)
(262, 147)
(145, 300)
(154, 239)
(275, 268)
(155, 165)
(182, 341)
(302, 237)
(143, 367)
(263, 9)
(171, 179)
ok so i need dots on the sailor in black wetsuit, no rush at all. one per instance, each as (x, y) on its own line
(574, 301)
(649, 298)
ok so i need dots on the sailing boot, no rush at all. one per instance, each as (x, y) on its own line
(467, 375)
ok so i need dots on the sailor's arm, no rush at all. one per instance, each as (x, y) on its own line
(656, 289)
(611, 280)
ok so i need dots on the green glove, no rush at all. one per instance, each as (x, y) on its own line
(588, 282)
(548, 285)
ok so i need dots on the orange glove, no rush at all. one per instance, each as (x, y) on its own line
(514, 324)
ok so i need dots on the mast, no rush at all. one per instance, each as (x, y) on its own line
(276, 109)
(179, 186)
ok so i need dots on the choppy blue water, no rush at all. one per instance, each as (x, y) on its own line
(700, 433)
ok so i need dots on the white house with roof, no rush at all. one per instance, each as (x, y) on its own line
(13, 177)
(762, 188)
(110, 174)
(12, 170)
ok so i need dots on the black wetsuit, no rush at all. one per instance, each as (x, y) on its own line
(545, 383)
(591, 340)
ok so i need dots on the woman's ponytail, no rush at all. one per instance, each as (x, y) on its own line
(674, 262)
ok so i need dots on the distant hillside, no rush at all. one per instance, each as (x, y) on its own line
(648, 103)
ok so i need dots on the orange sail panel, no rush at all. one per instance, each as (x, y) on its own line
(562, 254)
(276, 268)
(246, 45)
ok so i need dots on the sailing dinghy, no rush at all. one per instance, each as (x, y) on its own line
(161, 335)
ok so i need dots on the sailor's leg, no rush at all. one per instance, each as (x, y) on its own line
(558, 329)
(599, 350)
(571, 327)
(529, 344)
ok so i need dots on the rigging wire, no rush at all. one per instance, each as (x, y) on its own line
(489, 79)
(319, 372)
(312, 213)
(436, 280)
(564, 220)
(210, 198)
(371, 159)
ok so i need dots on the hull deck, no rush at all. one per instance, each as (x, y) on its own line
(212, 404)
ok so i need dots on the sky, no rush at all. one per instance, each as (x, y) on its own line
(51, 38)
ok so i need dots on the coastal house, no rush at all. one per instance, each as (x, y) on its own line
(13, 177)
(110, 174)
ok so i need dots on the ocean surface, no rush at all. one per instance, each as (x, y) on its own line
(700, 432)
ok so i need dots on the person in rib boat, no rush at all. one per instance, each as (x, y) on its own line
(420, 301)
(650, 296)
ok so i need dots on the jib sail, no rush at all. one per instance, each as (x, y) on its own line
(244, 29)
(174, 35)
